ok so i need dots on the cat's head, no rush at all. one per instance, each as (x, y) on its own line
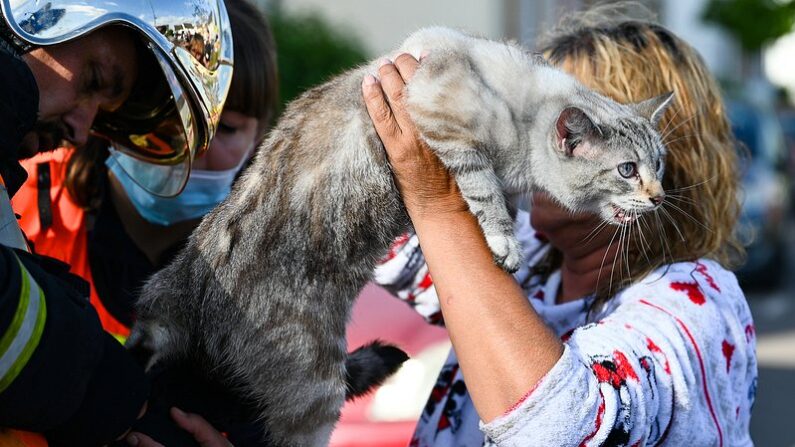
(610, 157)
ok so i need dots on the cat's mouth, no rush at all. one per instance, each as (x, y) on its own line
(622, 216)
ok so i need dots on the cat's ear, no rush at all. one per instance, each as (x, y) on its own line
(654, 108)
(576, 133)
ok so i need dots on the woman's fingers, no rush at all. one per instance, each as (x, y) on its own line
(204, 433)
(393, 79)
(201, 430)
(141, 440)
(422, 179)
(384, 101)
(407, 66)
(379, 110)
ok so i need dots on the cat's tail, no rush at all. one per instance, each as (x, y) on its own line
(369, 366)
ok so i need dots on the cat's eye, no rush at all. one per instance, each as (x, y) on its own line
(628, 169)
(657, 166)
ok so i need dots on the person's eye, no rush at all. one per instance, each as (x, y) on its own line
(628, 169)
(225, 128)
(94, 80)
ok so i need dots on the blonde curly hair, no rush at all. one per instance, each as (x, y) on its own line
(632, 60)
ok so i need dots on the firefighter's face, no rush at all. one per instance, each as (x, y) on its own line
(76, 80)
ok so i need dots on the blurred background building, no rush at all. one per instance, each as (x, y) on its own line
(750, 47)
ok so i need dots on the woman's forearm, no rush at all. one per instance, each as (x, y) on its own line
(503, 346)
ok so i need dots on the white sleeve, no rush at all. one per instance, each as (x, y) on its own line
(404, 273)
(672, 362)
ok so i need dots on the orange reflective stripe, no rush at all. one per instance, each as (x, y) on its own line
(66, 238)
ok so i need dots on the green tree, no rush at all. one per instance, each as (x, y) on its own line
(753, 23)
(310, 51)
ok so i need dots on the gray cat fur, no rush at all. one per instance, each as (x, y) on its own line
(265, 285)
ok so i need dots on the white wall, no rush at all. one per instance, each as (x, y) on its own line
(382, 24)
(719, 51)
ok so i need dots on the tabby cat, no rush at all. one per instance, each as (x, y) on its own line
(265, 285)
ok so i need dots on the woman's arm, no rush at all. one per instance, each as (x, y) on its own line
(503, 346)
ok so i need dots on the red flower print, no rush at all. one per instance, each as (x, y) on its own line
(692, 290)
(701, 268)
(425, 283)
(656, 350)
(615, 372)
(397, 244)
(750, 332)
(728, 351)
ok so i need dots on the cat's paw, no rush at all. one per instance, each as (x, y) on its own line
(507, 251)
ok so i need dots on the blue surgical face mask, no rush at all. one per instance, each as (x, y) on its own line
(203, 192)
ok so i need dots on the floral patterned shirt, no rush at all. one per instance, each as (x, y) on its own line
(669, 360)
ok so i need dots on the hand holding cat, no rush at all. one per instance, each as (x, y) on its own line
(202, 432)
(427, 188)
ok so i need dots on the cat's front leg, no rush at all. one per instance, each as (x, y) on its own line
(482, 191)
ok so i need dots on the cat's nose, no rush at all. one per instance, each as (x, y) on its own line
(657, 200)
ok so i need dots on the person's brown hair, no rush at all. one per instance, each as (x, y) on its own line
(254, 92)
(255, 83)
(629, 61)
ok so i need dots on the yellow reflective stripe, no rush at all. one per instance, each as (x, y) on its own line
(23, 335)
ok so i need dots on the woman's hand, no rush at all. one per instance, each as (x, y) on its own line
(204, 433)
(424, 183)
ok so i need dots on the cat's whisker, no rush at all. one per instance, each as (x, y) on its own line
(604, 258)
(663, 235)
(672, 120)
(669, 132)
(595, 232)
(628, 243)
(618, 254)
(681, 198)
(673, 222)
(682, 137)
(688, 215)
(685, 188)
(642, 239)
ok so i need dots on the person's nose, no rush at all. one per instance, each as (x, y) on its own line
(79, 122)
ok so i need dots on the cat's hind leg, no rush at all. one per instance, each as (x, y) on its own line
(298, 383)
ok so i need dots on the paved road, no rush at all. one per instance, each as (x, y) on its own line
(773, 420)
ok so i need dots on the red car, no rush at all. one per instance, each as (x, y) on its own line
(387, 417)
